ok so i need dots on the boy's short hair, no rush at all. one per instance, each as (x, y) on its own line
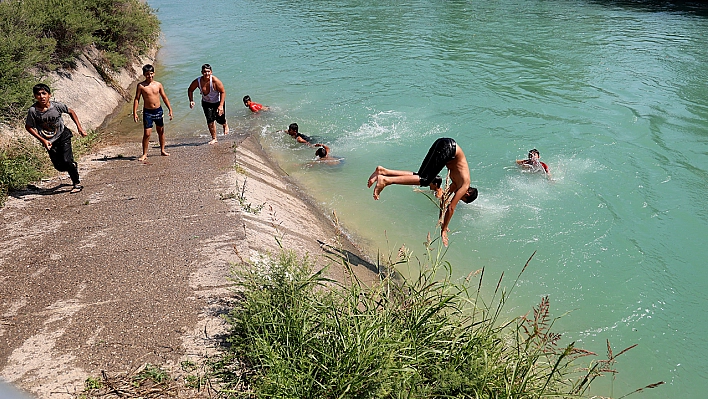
(246, 98)
(39, 87)
(534, 151)
(206, 66)
(437, 181)
(471, 195)
(148, 68)
(293, 126)
(321, 152)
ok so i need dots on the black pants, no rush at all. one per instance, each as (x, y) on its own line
(440, 153)
(62, 156)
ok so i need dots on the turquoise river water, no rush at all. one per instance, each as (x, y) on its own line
(613, 94)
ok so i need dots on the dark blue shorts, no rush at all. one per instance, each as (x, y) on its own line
(152, 115)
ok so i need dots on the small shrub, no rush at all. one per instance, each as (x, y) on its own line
(21, 163)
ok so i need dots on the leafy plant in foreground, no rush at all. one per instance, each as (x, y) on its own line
(298, 334)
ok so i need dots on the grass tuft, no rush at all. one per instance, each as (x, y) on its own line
(297, 334)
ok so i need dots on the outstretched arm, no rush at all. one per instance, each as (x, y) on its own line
(136, 101)
(222, 94)
(449, 211)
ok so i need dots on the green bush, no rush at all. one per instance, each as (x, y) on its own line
(297, 334)
(37, 36)
(21, 163)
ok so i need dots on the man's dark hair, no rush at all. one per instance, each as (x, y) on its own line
(321, 152)
(39, 87)
(148, 68)
(246, 98)
(471, 195)
(206, 66)
(293, 127)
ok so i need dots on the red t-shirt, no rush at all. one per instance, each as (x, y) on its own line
(255, 107)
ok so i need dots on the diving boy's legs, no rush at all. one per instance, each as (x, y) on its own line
(146, 142)
(382, 181)
(380, 170)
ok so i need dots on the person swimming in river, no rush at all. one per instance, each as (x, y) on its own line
(533, 163)
(253, 106)
(299, 137)
(443, 153)
(324, 154)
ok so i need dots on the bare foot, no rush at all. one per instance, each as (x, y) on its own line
(144, 157)
(165, 153)
(226, 130)
(380, 185)
(213, 141)
(373, 177)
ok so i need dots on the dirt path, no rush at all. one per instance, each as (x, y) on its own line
(134, 269)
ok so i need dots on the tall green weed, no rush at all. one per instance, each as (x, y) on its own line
(297, 334)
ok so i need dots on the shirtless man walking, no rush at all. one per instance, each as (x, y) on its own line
(213, 99)
(443, 153)
(151, 91)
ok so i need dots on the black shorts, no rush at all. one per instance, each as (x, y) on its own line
(440, 153)
(210, 111)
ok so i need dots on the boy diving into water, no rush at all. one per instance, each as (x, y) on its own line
(443, 153)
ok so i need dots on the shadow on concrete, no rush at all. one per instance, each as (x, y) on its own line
(116, 158)
(348, 256)
(31, 189)
(187, 144)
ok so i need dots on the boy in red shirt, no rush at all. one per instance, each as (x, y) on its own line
(254, 107)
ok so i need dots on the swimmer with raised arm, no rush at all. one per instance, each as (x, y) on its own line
(253, 106)
(443, 153)
(533, 163)
(324, 154)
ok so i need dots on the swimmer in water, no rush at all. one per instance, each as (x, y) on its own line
(324, 154)
(533, 163)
